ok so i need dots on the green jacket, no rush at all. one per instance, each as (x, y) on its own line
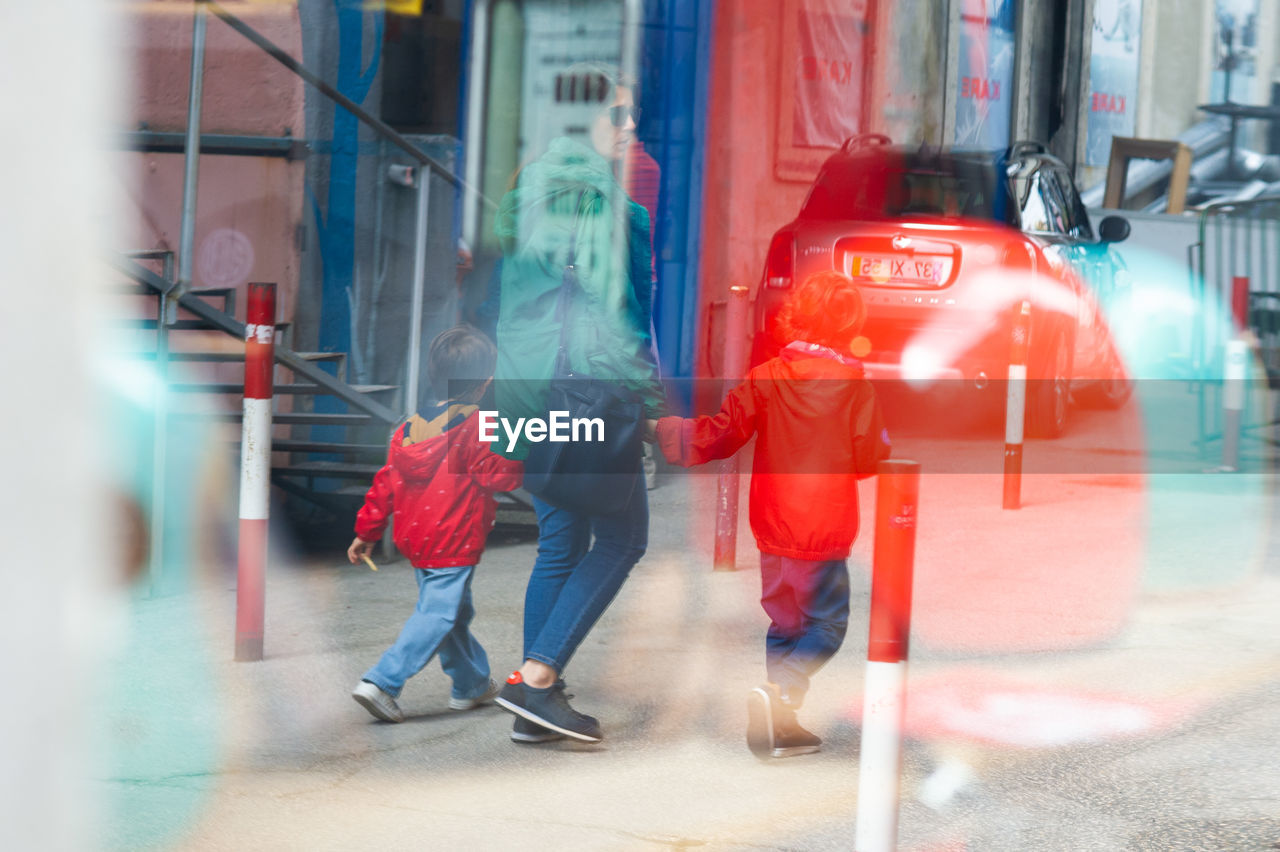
(571, 191)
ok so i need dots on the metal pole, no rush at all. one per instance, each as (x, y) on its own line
(883, 704)
(1015, 408)
(415, 305)
(191, 160)
(727, 484)
(160, 441)
(255, 471)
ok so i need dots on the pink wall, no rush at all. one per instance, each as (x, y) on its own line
(249, 209)
(743, 202)
(753, 184)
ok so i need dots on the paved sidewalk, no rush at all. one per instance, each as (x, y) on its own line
(1046, 648)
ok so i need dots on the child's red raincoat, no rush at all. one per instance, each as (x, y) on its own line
(820, 431)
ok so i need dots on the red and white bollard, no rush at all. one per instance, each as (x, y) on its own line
(727, 485)
(255, 470)
(1240, 300)
(1015, 407)
(1235, 370)
(883, 704)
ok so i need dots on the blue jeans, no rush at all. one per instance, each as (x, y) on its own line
(808, 605)
(574, 580)
(440, 624)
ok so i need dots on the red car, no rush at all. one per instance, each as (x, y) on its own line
(946, 245)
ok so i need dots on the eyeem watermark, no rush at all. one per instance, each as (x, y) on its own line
(559, 427)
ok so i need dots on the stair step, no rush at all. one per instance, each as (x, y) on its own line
(180, 325)
(337, 470)
(307, 388)
(290, 419)
(228, 356)
(289, 445)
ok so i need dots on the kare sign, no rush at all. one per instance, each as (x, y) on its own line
(985, 102)
(1113, 75)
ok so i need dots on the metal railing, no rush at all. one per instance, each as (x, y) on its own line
(427, 166)
(284, 356)
(1235, 286)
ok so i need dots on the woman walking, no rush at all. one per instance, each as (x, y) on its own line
(575, 274)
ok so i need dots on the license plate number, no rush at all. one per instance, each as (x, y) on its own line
(912, 270)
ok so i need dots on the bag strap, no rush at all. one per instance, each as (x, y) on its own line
(568, 281)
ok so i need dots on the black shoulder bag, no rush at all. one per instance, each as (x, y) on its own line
(595, 472)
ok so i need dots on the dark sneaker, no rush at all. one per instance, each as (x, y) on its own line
(772, 729)
(524, 731)
(549, 708)
(380, 704)
(760, 706)
(791, 740)
(471, 703)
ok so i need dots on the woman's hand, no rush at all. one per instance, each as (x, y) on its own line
(651, 431)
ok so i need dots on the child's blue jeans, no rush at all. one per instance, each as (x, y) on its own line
(440, 624)
(808, 605)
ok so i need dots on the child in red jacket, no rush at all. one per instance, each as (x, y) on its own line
(438, 483)
(819, 431)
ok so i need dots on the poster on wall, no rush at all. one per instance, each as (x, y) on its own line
(1113, 76)
(553, 102)
(984, 96)
(822, 97)
(1235, 53)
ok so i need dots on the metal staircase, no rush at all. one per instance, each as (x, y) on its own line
(327, 472)
(332, 475)
(329, 475)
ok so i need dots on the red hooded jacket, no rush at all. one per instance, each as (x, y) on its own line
(820, 431)
(438, 483)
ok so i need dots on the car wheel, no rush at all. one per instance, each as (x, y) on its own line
(1048, 396)
(1111, 392)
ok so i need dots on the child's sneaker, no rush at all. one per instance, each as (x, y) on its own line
(549, 708)
(524, 731)
(371, 697)
(471, 703)
(772, 729)
(791, 740)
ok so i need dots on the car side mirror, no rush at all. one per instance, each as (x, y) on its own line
(1113, 229)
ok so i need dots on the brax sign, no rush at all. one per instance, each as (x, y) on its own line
(558, 427)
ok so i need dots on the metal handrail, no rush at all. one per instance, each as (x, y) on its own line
(380, 127)
(193, 304)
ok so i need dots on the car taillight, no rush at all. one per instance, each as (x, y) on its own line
(778, 265)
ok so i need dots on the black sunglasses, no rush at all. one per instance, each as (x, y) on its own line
(618, 115)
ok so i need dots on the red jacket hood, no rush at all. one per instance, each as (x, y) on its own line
(419, 448)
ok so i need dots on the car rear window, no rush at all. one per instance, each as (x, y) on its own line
(878, 190)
